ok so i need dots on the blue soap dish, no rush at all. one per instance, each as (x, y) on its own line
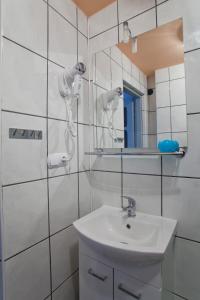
(168, 146)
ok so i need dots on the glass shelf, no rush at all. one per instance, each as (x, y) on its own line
(104, 152)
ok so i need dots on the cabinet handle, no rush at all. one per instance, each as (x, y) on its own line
(130, 293)
(100, 277)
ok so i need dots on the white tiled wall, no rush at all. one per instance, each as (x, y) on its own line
(178, 196)
(171, 103)
(40, 258)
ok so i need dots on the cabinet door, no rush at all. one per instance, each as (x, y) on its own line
(96, 280)
(129, 288)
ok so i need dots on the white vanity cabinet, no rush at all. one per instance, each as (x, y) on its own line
(129, 288)
(99, 281)
(96, 280)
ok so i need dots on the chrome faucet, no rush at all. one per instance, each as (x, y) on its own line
(131, 208)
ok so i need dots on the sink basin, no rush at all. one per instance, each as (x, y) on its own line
(143, 238)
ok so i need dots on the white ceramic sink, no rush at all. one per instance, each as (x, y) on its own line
(143, 238)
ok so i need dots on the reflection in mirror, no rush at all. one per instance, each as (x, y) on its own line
(139, 90)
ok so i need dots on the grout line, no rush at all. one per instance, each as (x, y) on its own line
(74, 273)
(122, 180)
(168, 106)
(45, 178)
(175, 294)
(78, 178)
(69, 22)
(23, 182)
(127, 173)
(194, 113)
(24, 47)
(38, 116)
(67, 227)
(187, 239)
(156, 13)
(192, 50)
(39, 242)
(118, 18)
(47, 143)
(27, 248)
(60, 230)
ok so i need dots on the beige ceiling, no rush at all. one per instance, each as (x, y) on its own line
(159, 48)
(90, 7)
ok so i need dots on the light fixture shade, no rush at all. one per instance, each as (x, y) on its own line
(134, 45)
(126, 32)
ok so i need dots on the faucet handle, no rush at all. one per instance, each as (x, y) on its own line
(131, 201)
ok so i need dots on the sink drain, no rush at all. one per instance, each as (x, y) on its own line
(128, 226)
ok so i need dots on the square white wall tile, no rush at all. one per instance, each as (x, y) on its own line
(23, 160)
(82, 22)
(118, 116)
(177, 92)
(186, 257)
(146, 190)
(25, 214)
(192, 68)
(163, 94)
(179, 118)
(106, 188)
(63, 201)
(104, 40)
(162, 75)
(103, 70)
(169, 11)
(25, 22)
(84, 193)
(181, 137)
(67, 8)
(64, 255)
(143, 165)
(84, 146)
(163, 120)
(102, 20)
(24, 80)
(116, 74)
(181, 202)
(188, 165)
(191, 23)
(177, 71)
(174, 9)
(83, 103)
(126, 63)
(104, 139)
(83, 53)
(107, 163)
(68, 290)
(62, 40)
(116, 55)
(27, 275)
(140, 24)
(57, 144)
(129, 8)
(56, 103)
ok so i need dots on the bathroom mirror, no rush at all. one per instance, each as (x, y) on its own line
(139, 89)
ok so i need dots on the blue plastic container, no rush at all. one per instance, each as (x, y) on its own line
(168, 146)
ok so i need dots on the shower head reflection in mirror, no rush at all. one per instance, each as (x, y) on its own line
(152, 106)
(69, 85)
